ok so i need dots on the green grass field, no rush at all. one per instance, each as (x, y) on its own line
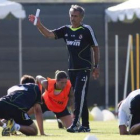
(102, 130)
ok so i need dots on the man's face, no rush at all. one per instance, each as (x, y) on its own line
(61, 83)
(75, 18)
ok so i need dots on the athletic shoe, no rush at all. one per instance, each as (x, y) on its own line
(73, 128)
(5, 132)
(9, 128)
(84, 129)
(14, 133)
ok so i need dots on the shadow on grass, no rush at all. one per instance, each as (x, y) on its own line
(97, 131)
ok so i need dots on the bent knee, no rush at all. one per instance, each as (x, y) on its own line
(33, 130)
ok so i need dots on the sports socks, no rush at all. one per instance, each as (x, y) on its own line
(4, 125)
(17, 127)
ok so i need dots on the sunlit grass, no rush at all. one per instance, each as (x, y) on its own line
(102, 130)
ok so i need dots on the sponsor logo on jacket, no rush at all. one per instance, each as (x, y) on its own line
(74, 43)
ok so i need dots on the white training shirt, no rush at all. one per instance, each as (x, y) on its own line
(124, 110)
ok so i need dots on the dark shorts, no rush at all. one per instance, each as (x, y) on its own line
(65, 112)
(135, 110)
(8, 111)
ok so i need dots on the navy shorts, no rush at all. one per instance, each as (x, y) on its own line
(65, 112)
(8, 111)
(135, 110)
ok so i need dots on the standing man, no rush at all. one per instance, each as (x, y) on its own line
(80, 40)
(129, 114)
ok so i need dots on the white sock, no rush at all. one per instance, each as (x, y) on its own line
(4, 125)
(17, 127)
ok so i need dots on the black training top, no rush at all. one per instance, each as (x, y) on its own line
(79, 42)
(23, 96)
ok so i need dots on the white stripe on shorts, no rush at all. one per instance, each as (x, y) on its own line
(82, 98)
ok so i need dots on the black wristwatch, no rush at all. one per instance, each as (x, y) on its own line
(95, 66)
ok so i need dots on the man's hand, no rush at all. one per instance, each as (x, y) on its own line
(95, 73)
(44, 134)
(123, 130)
(32, 18)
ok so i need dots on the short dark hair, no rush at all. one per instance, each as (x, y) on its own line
(78, 8)
(27, 79)
(60, 75)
